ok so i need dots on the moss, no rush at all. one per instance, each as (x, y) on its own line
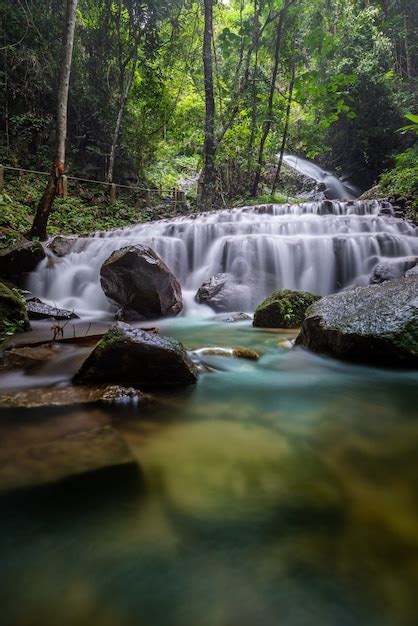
(245, 353)
(283, 309)
(114, 335)
(13, 314)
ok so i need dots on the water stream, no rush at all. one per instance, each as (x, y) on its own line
(276, 492)
(317, 246)
(334, 187)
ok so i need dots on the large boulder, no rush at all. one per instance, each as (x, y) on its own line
(283, 309)
(131, 356)
(141, 283)
(18, 260)
(393, 269)
(376, 324)
(222, 293)
(13, 314)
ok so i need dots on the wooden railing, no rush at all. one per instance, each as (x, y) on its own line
(176, 197)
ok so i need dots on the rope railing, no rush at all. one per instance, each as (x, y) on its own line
(177, 196)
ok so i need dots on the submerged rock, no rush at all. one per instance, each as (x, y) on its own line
(390, 270)
(20, 259)
(231, 318)
(221, 292)
(38, 310)
(131, 356)
(59, 448)
(27, 357)
(141, 283)
(376, 325)
(61, 245)
(13, 314)
(283, 309)
(70, 396)
(238, 353)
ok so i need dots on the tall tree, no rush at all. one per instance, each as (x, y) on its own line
(269, 115)
(54, 185)
(126, 73)
(207, 180)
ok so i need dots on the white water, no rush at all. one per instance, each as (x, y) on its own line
(318, 246)
(334, 187)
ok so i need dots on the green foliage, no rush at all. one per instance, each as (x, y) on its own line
(355, 71)
(13, 314)
(85, 211)
(414, 126)
(402, 180)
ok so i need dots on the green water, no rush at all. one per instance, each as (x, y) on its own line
(282, 492)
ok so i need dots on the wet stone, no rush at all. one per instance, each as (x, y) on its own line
(70, 396)
(131, 356)
(38, 310)
(377, 324)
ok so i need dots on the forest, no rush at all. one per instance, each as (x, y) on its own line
(208, 312)
(326, 79)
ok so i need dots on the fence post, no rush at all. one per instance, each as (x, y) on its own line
(175, 200)
(112, 193)
(64, 186)
(1, 177)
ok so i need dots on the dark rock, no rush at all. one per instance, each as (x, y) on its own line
(393, 269)
(20, 259)
(13, 314)
(138, 280)
(59, 448)
(61, 245)
(131, 356)
(376, 325)
(283, 309)
(375, 193)
(221, 292)
(38, 310)
(413, 271)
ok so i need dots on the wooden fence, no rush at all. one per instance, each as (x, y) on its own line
(175, 197)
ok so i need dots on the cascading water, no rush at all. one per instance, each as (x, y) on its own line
(321, 247)
(334, 187)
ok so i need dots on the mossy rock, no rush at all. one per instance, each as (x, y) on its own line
(376, 325)
(283, 309)
(133, 357)
(13, 314)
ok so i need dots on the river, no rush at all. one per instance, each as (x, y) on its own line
(279, 491)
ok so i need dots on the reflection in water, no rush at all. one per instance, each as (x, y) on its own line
(277, 492)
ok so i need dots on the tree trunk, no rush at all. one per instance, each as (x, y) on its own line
(122, 106)
(208, 175)
(285, 131)
(251, 140)
(268, 120)
(54, 185)
(207, 178)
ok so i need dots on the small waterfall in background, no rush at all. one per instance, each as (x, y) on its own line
(334, 187)
(320, 247)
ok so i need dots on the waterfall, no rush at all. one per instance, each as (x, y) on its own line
(334, 187)
(321, 247)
